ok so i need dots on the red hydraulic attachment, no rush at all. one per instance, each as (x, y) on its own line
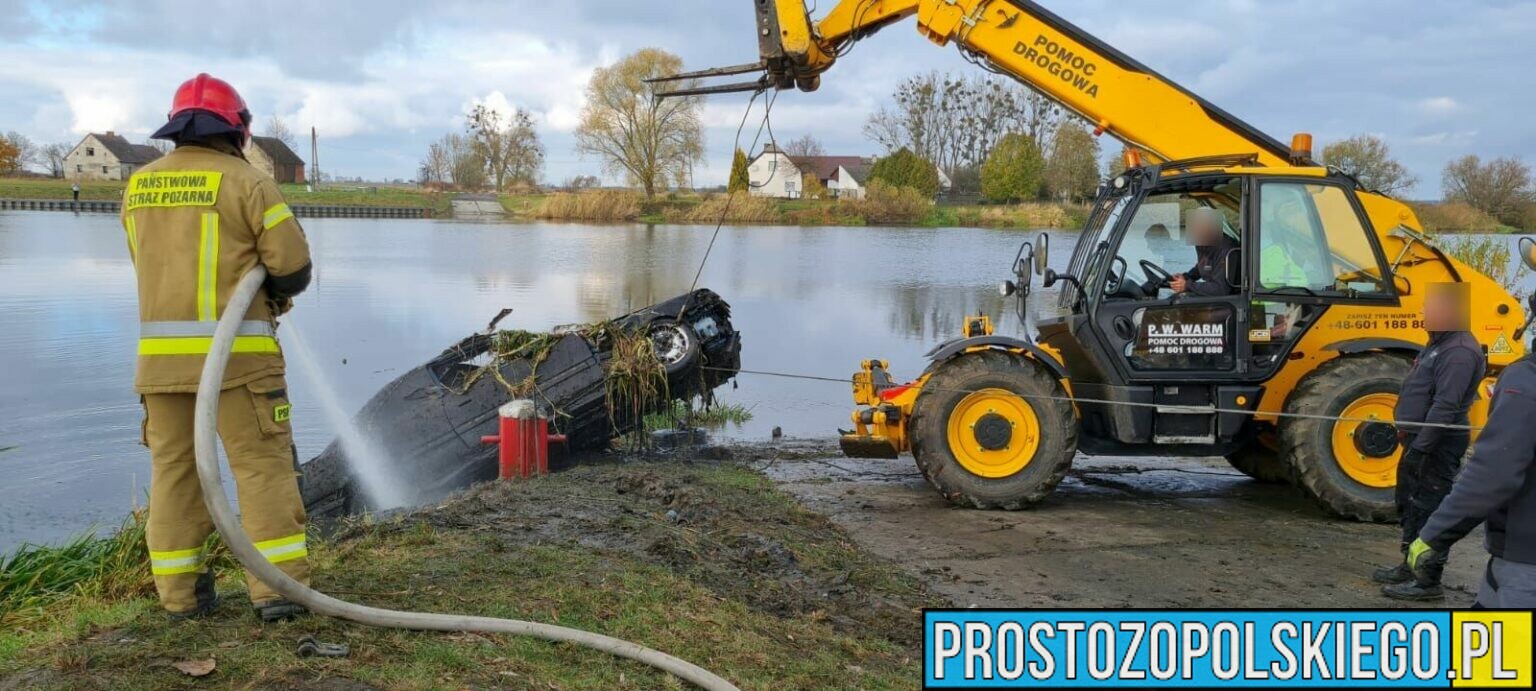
(524, 438)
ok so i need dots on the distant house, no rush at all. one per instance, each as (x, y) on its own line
(850, 181)
(827, 168)
(775, 173)
(106, 156)
(271, 156)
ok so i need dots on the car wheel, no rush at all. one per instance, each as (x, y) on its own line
(676, 345)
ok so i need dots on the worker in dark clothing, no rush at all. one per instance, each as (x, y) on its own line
(1209, 275)
(1498, 487)
(1437, 392)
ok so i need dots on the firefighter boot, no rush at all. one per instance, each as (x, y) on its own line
(207, 599)
(279, 610)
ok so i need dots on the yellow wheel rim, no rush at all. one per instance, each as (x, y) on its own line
(993, 433)
(1369, 470)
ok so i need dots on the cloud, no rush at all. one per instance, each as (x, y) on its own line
(1439, 105)
(1444, 139)
(380, 79)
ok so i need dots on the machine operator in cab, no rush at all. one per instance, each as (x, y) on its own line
(1209, 275)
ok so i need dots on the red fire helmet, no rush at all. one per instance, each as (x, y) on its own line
(214, 95)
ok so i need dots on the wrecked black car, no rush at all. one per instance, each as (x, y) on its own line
(596, 382)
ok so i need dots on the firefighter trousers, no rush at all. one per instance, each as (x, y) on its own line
(258, 442)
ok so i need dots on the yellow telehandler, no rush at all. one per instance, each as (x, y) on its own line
(1292, 374)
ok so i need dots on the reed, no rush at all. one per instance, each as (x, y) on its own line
(736, 208)
(598, 205)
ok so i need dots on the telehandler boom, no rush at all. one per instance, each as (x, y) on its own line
(1292, 374)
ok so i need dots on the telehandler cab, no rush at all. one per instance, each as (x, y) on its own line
(1291, 372)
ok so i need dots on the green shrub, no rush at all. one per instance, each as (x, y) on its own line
(889, 204)
(1454, 217)
(1014, 171)
(1489, 254)
(907, 169)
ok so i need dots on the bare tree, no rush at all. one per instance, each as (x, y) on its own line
(466, 168)
(956, 121)
(437, 166)
(509, 145)
(161, 145)
(806, 145)
(1500, 188)
(277, 129)
(583, 182)
(651, 142)
(53, 158)
(1370, 160)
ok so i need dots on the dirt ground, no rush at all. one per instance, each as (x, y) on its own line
(1118, 532)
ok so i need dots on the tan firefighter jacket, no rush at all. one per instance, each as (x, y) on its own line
(197, 220)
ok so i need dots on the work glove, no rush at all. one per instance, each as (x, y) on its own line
(1420, 554)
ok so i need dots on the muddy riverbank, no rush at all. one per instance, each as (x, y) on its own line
(1145, 532)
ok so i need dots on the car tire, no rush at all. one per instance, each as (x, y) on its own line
(677, 345)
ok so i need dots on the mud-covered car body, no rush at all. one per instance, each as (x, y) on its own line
(432, 418)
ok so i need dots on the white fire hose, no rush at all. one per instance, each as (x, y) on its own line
(206, 438)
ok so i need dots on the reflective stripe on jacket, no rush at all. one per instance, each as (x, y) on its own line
(196, 221)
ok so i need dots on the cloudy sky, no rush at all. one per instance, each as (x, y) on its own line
(380, 79)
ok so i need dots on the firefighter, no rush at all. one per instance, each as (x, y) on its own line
(197, 220)
(1499, 487)
(1438, 390)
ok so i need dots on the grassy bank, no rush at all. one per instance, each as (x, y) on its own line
(38, 188)
(705, 561)
(892, 208)
(339, 194)
(360, 195)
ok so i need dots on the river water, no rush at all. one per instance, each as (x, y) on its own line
(388, 295)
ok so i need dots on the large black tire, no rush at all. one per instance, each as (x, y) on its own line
(950, 384)
(1260, 462)
(1307, 444)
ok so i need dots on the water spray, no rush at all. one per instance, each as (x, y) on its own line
(372, 465)
(206, 445)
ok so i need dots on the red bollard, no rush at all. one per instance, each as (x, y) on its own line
(524, 441)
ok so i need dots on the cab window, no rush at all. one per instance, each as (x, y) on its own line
(1158, 234)
(1311, 241)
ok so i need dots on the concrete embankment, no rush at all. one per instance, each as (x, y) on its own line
(302, 210)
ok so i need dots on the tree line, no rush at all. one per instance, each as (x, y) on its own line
(1502, 189)
(19, 153)
(991, 135)
(653, 144)
(1007, 142)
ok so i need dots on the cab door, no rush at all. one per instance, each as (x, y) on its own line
(1313, 249)
(1152, 334)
